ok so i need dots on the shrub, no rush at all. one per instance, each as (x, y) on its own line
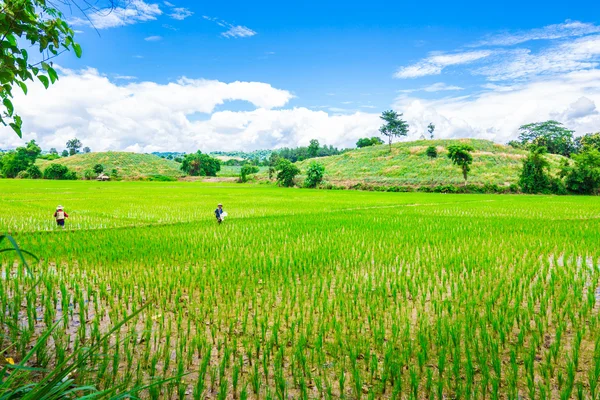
(89, 174)
(584, 176)
(98, 168)
(199, 164)
(34, 172)
(286, 172)
(431, 152)
(246, 170)
(56, 171)
(366, 142)
(160, 178)
(22, 175)
(557, 186)
(71, 176)
(314, 174)
(534, 176)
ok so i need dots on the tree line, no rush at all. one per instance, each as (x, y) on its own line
(20, 163)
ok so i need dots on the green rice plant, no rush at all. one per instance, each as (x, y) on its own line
(304, 294)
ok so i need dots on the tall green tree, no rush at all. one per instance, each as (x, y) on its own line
(199, 164)
(394, 126)
(591, 140)
(584, 176)
(314, 174)
(20, 159)
(431, 129)
(549, 134)
(461, 156)
(37, 24)
(534, 175)
(286, 172)
(313, 148)
(74, 145)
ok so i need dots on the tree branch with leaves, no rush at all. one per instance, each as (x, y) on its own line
(40, 24)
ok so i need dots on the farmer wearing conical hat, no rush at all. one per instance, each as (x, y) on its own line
(220, 213)
(60, 216)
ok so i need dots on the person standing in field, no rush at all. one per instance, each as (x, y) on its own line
(219, 213)
(60, 216)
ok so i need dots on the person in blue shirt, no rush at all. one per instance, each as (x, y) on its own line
(219, 213)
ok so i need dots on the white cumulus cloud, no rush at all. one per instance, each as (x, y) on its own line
(177, 116)
(497, 113)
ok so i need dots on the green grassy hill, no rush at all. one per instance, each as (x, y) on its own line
(408, 164)
(128, 165)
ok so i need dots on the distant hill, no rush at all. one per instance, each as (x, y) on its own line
(128, 165)
(409, 165)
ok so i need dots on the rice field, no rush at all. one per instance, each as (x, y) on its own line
(306, 293)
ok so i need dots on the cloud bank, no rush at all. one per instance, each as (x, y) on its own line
(178, 116)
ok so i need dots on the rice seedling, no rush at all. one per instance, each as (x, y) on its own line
(302, 294)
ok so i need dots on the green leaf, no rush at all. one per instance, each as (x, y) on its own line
(23, 86)
(16, 128)
(52, 74)
(24, 53)
(44, 80)
(9, 107)
(45, 66)
(11, 39)
(77, 49)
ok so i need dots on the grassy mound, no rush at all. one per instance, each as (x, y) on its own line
(408, 164)
(128, 165)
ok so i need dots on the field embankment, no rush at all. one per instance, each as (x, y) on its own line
(129, 166)
(408, 164)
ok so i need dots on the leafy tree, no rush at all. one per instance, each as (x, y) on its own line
(550, 134)
(273, 161)
(534, 176)
(59, 172)
(589, 139)
(34, 172)
(515, 144)
(36, 22)
(64, 153)
(431, 129)
(461, 156)
(20, 159)
(98, 168)
(431, 152)
(286, 172)
(314, 174)
(114, 174)
(87, 150)
(199, 164)
(89, 174)
(394, 126)
(584, 176)
(363, 142)
(313, 148)
(376, 141)
(74, 145)
(53, 151)
(247, 169)
(366, 142)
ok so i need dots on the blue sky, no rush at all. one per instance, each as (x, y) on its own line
(317, 69)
